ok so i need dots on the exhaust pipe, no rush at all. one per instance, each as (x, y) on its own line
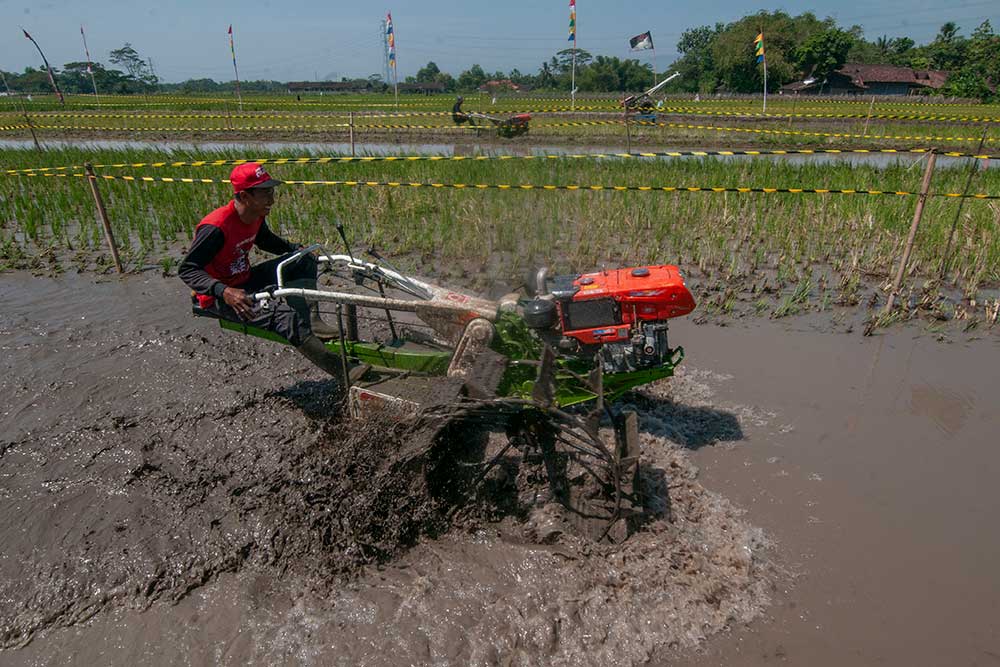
(541, 288)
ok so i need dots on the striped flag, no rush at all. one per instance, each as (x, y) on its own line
(391, 39)
(759, 48)
(572, 21)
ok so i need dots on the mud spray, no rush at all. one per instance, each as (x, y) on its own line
(141, 461)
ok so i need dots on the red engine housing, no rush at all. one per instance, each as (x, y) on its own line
(606, 305)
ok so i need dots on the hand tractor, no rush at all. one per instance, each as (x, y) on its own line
(515, 365)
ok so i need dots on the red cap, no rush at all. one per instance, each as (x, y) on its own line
(251, 175)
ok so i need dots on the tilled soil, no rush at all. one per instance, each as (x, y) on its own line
(145, 455)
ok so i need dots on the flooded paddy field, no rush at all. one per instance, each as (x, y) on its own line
(176, 494)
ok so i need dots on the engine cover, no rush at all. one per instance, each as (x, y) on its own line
(622, 314)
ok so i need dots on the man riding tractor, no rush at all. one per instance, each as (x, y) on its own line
(217, 269)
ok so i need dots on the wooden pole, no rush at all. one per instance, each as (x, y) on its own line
(628, 131)
(352, 134)
(108, 234)
(961, 203)
(870, 107)
(917, 214)
(31, 128)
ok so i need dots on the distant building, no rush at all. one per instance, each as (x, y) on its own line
(423, 88)
(499, 85)
(858, 79)
(327, 86)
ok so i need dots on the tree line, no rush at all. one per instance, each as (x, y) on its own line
(716, 58)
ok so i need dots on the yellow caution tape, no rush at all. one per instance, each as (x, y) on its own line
(528, 186)
(451, 128)
(485, 158)
(804, 133)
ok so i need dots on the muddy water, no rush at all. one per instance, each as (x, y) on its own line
(879, 486)
(167, 495)
(175, 494)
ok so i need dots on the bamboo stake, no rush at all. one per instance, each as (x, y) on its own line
(352, 134)
(870, 107)
(917, 214)
(31, 128)
(628, 131)
(108, 234)
(973, 163)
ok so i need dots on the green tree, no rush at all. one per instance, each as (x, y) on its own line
(732, 49)
(137, 68)
(822, 53)
(546, 79)
(696, 64)
(980, 73)
(471, 78)
(428, 73)
(947, 51)
(563, 60)
(611, 74)
(75, 78)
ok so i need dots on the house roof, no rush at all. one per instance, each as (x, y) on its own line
(499, 83)
(863, 75)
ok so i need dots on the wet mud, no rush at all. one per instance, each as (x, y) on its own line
(175, 493)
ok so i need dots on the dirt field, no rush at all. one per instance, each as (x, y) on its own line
(172, 494)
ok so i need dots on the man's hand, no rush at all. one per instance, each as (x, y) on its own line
(238, 300)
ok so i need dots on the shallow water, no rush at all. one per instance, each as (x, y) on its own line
(172, 493)
(880, 160)
(870, 463)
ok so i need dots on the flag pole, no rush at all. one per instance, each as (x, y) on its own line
(765, 72)
(572, 84)
(765, 84)
(573, 79)
(232, 49)
(90, 69)
(52, 78)
(654, 67)
(390, 38)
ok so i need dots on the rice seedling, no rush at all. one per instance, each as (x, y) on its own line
(754, 238)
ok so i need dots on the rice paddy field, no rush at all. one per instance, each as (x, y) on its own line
(487, 219)
(592, 120)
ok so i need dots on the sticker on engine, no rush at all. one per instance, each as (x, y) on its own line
(457, 298)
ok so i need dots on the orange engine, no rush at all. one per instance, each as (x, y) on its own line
(620, 314)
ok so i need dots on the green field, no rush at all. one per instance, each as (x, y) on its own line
(591, 121)
(773, 252)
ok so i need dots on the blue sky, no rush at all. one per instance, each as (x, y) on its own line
(295, 41)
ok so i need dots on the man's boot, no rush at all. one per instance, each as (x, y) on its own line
(313, 349)
(318, 326)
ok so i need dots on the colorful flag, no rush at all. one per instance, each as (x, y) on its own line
(641, 42)
(759, 48)
(391, 39)
(572, 21)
